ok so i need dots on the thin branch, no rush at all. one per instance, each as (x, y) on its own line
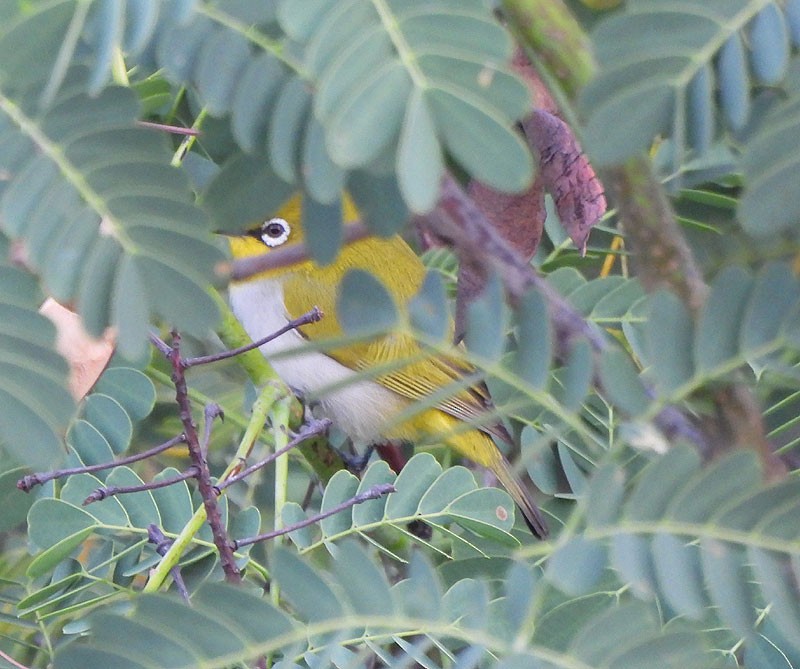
(313, 316)
(189, 140)
(374, 492)
(312, 429)
(27, 483)
(100, 494)
(661, 254)
(156, 536)
(282, 257)
(162, 346)
(204, 484)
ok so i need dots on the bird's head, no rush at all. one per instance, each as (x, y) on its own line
(284, 228)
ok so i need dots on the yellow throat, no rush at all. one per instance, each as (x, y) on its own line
(363, 408)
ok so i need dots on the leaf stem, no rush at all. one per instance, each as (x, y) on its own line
(33, 129)
(279, 417)
(188, 141)
(404, 50)
(119, 72)
(66, 52)
(249, 32)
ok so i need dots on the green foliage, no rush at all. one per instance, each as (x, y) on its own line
(79, 163)
(747, 321)
(655, 559)
(425, 493)
(226, 624)
(33, 382)
(773, 143)
(412, 78)
(685, 52)
(364, 303)
(697, 79)
(680, 525)
(104, 426)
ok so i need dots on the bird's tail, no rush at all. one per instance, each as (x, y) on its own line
(530, 512)
(479, 447)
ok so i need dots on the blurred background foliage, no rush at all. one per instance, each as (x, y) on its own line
(657, 557)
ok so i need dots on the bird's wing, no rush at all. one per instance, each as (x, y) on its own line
(399, 362)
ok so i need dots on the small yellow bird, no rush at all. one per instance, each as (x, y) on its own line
(361, 407)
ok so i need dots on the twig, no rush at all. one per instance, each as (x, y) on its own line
(162, 346)
(311, 429)
(189, 140)
(374, 492)
(156, 536)
(100, 494)
(313, 316)
(204, 484)
(27, 483)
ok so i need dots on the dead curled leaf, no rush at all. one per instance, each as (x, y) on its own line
(87, 357)
(566, 174)
(518, 217)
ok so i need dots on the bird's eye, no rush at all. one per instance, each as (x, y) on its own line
(275, 232)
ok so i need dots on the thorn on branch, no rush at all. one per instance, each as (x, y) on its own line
(212, 411)
(374, 492)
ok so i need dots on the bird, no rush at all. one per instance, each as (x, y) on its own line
(361, 406)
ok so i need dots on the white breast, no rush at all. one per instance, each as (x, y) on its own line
(360, 408)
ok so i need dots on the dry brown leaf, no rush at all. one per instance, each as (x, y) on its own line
(567, 175)
(87, 356)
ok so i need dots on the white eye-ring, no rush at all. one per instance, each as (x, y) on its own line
(275, 232)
